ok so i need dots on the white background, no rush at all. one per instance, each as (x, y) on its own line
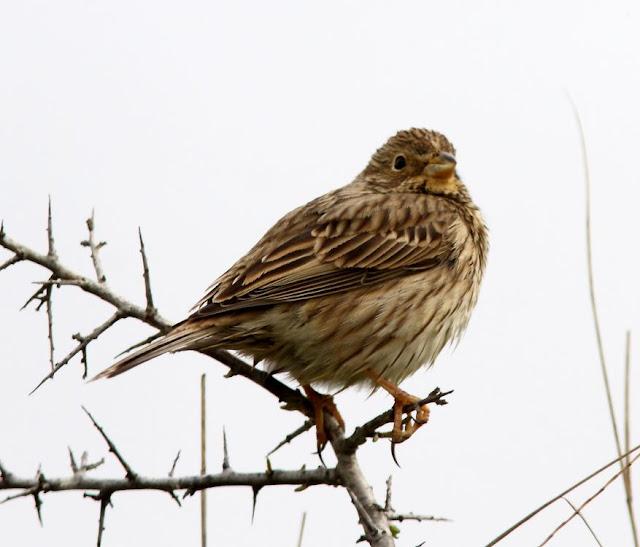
(203, 123)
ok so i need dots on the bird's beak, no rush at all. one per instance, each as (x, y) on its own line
(441, 166)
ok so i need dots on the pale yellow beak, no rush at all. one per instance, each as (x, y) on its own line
(441, 166)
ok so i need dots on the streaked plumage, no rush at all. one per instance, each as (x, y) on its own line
(376, 276)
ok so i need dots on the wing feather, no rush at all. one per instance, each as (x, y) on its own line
(335, 244)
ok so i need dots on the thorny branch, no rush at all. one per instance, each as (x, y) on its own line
(347, 473)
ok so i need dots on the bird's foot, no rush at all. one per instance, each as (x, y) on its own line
(320, 403)
(403, 427)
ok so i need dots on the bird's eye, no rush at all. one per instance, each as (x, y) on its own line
(399, 162)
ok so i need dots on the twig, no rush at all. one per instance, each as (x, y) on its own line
(306, 426)
(589, 500)
(94, 248)
(559, 496)
(84, 341)
(399, 517)
(130, 473)
(387, 499)
(151, 310)
(44, 296)
(584, 520)
(84, 466)
(203, 454)
(173, 465)
(62, 275)
(49, 306)
(371, 530)
(302, 523)
(594, 311)
(13, 260)
(105, 500)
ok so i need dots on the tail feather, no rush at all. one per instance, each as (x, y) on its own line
(173, 341)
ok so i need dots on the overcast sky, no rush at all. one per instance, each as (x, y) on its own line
(203, 123)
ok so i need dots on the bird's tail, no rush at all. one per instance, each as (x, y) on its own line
(182, 337)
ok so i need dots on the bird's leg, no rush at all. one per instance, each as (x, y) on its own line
(402, 430)
(320, 403)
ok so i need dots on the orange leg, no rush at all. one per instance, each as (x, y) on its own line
(321, 403)
(402, 429)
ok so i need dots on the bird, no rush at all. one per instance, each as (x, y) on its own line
(362, 286)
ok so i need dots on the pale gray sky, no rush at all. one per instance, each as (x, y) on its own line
(203, 123)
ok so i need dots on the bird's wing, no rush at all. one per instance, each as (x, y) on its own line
(333, 246)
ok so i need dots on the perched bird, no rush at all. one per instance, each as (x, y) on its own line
(363, 285)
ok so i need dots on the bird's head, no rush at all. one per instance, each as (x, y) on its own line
(415, 160)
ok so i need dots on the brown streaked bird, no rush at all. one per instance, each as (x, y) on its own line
(361, 286)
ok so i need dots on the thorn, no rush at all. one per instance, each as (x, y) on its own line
(36, 494)
(130, 474)
(145, 274)
(174, 497)
(51, 246)
(38, 504)
(256, 490)
(74, 466)
(225, 459)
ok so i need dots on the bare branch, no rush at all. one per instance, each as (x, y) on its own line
(192, 483)
(145, 274)
(94, 248)
(130, 473)
(62, 275)
(84, 341)
(562, 494)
